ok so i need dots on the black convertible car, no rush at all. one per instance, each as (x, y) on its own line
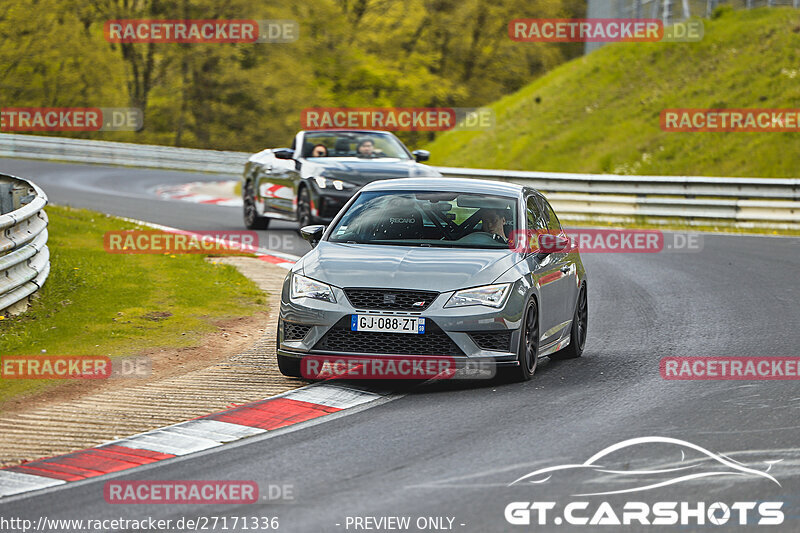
(312, 180)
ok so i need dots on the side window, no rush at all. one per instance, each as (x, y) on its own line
(552, 220)
(535, 219)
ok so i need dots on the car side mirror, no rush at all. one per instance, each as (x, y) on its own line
(313, 234)
(421, 155)
(550, 243)
(283, 153)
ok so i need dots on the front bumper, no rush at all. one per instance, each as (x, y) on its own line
(461, 327)
(329, 201)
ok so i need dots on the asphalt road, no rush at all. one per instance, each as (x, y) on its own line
(129, 193)
(451, 450)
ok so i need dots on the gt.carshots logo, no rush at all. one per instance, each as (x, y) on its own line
(615, 466)
(582, 513)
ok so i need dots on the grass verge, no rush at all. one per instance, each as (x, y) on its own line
(96, 303)
(600, 113)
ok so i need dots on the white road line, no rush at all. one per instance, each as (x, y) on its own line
(165, 440)
(15, 483)
(216, 430)
(331, 396)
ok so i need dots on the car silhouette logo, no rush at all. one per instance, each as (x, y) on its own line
(695, 463)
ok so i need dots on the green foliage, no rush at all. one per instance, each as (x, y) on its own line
(600, 113)
(362, 53)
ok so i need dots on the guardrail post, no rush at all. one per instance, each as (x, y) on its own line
(637, 9)
(666, 12)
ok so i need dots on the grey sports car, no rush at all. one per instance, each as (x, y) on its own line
(460, 263)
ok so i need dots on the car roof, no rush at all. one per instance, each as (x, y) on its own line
(447, 184)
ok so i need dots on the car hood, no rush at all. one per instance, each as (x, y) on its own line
(434, 269)
(361, 172)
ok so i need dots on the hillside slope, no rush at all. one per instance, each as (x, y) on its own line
(600, 113)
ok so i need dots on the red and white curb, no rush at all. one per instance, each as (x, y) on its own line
(202, 192)
(210, 431)
(270, 256)
(188, 192)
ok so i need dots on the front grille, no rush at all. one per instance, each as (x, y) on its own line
(390, 299)
(295, 332)
(433, 342)
(498, 341)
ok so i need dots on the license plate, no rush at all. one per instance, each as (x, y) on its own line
(387, 324)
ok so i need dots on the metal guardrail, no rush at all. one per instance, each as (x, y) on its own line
(24, 257)
(671, 11)
(125, 154)
(741, 202)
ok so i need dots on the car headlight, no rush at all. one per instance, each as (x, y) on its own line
(490, 295)
(303, 287)
(339, 185)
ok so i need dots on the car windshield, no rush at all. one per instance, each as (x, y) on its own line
(440, 219)
(365, 145)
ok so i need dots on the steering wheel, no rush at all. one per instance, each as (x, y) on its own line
(481, 235)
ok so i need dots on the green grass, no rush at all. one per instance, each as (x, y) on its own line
(97, 303)
(600, 113)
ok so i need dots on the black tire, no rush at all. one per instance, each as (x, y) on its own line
(577, 335)
(289, 366)
(528, 350)
(252, 220)
(304, 216)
